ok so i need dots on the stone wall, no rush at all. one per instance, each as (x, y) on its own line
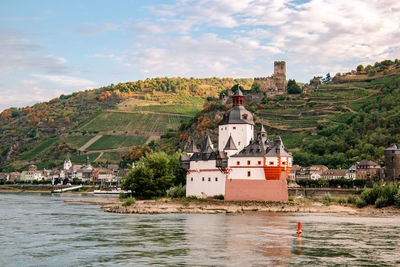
(275, 84)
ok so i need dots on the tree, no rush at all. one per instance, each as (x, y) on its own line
(360, 68)
(153, 175)
(293, 87)
(255, 87)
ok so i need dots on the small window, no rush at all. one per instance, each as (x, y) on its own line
(238, 143)
(248, 162)
(248, 173)
(259, 162)
(225, 128)
(209, 179)
(202, 179)
(237, 162)
(191, 179)
(271, 163)
(244, 116)
(234, 128)
(283, 163)
(216, 179)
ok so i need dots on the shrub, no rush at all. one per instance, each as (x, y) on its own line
(361, 203)
(341, 200)
(123, 196)
(381, 202)
(221, 197)
(352, 199)
(326, 199)
(177, 191)
(397, 200)
(129, 201)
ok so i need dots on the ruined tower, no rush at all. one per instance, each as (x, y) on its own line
(392, 163)
(275, 84)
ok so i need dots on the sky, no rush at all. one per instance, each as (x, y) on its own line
(49, 48)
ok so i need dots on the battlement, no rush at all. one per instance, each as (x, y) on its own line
(276, 83)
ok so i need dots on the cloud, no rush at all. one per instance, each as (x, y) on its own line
(18, 52)
(66, 81)
(313, 36)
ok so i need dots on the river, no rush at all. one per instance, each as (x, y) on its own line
(38, 229)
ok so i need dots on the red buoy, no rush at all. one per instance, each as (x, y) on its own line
(299, 229)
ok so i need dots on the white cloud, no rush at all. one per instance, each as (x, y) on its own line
(66, 81)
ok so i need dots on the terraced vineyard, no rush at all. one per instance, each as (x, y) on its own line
(133, 122)
(332, 104)
(107, 142)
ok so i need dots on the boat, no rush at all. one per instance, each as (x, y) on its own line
(110, 192)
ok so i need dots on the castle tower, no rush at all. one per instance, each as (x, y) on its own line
(280, 69)
(237, 122)
(392, 163)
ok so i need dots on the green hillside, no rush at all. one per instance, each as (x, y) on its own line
(48, 132)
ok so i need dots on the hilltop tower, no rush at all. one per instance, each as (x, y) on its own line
(275, 84)
(392, 163)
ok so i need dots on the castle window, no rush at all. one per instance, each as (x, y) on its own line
(216, 179)
(191, 179)
(283, 163)
(234, 128)
(248, 174)
(225, 128)
(209, 179)
(238, 143)
(202, 179)
(237, 162)
(244, 116)
(259, 162)
(271, 163)
(248, 162)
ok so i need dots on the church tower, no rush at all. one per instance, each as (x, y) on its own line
(237, 125)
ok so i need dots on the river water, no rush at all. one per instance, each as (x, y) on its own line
(42, 230)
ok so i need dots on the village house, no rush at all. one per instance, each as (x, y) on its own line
(313, 172)
(367, 169)
(32, 174)
(334, 174)
(292, 174)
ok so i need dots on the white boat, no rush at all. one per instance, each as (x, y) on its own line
(110, 192)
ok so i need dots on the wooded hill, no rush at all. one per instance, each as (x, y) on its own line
(103, 122)
(347, 118)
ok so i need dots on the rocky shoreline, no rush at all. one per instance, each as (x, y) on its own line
(164, 206)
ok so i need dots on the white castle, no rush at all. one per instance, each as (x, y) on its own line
(242, 167)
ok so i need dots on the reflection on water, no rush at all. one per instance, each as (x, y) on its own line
(41, 229)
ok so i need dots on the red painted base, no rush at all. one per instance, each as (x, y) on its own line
(261, 190)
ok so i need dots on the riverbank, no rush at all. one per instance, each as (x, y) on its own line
(211, 206)
(39, 188)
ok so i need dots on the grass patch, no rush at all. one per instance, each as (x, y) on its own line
(133, 121)
(117, 141)
(30, 155)
(77, 141)
(82, 158)
(176, 109)
(111, 157)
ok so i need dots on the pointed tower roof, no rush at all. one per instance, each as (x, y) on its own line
(238, 91)
(263, 129)
(230, 145)
(191, 147)
(208, 146)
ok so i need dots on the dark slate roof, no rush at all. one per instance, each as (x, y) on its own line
(367, 163)
(263, 147)
(184, 157)
(238, 92)
(191, 148)
(278, 150)
(208, 146)
(237, 115)
(254, 149)
(230, 145)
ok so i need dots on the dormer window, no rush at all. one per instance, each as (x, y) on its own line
(244, 116)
